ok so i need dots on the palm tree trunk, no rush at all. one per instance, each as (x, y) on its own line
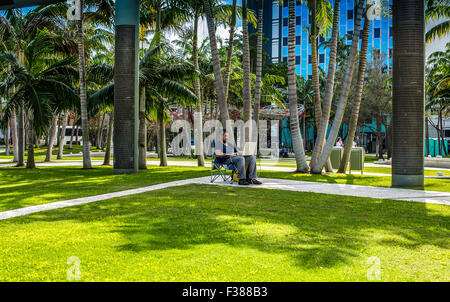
(328, 98)
(259, 49)
(20, 139)
(51, 141)
(199, 117)
(162, 141)
(83, 104)
(427, 137)
(76, 133)
(142, 132)
(246, 94)
(107, 161)
(14, 135)
(317, 168)
(315, 66)
(101, 119)
(297, 142)
(444, 149)
(72, 132)
(62, 137)
(30, 160)
(7, 149)
(220, 90)
(379, 138)
(357, 100)
(230, 48)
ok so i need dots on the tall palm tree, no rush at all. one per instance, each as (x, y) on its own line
(297, 142)
(199, 111)
(317, 168)
(83, 96)
(357, 100)
(246, 94)
(321, 21)
(259, 58)
(232, 27)
(328, 98)
(220, 90)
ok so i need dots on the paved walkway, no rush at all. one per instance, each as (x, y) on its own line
(268, 183)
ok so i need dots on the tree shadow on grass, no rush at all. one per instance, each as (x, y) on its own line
(22, 187)
(315, 230)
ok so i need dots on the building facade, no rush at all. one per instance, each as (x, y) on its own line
(276, 30)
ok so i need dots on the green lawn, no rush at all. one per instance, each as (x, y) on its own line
(431, 184)
(210, 233)
(20, 187)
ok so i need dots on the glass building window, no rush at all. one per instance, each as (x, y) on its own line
(349, 35)
(390, 31)
(285, 3)
(297, 60)
(285, 41)
(390, 53)
(321, 58)
(376, 33)
(298, 40)
(285, 60)
(285, 21)
(298, 20)
(350, 14)
(309, 76)
(309, 59)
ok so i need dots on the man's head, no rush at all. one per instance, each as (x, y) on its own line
(225, 136)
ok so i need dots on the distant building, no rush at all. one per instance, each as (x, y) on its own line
(276, 30)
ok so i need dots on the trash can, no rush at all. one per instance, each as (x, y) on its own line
(335, 157)
(357, 159)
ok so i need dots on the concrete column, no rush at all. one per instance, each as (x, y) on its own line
(126, 87)
(408, 93)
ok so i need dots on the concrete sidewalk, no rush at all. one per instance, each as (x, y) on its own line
(268, 183)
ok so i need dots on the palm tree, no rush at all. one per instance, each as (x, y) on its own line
(259, 54)
(199, 111)
(83, 96)
(161, 78)
(220, 90)
(323, 126)
(438, 89)
(297, 142)
(232, 27)
(435, 10)
(246, 94)
(38, 84)
(317, 168)
(357, 100)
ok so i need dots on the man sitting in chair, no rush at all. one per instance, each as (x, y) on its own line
(226, 153)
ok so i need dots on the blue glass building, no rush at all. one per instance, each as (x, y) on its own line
(276, 30)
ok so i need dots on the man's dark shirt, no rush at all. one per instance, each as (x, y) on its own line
(225, 149)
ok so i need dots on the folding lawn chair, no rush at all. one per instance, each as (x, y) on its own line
(228, 172)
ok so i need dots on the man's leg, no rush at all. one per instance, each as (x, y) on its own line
(250, 162)
(239, 163)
